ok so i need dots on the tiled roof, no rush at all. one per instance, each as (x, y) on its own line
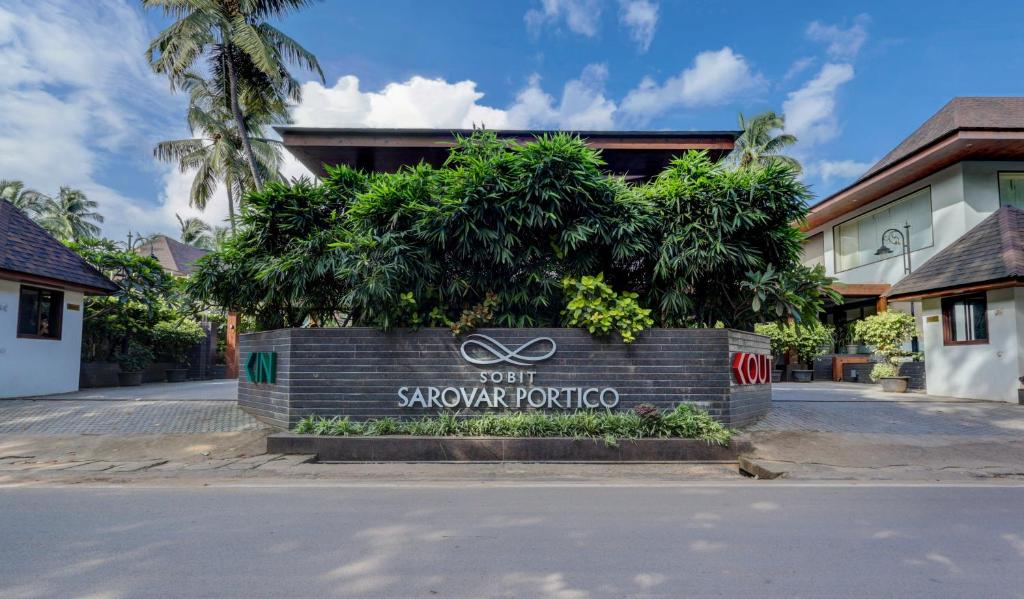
(26, 248)
(959, 113)
(990, 252)
(174, 256)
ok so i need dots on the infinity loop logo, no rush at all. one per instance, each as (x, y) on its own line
(500, 353)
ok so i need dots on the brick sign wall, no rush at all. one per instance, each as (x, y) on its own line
(364, 373)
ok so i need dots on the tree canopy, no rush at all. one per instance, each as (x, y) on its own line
(495, 232)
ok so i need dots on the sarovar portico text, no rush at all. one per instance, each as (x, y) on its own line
(507, 388)
(363, 373)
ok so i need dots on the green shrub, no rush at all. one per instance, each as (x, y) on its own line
(684, 421)
(701, 244)
(883, 370)
(886, 333)
(173, 338)
(594, 306)
(135, 358)
(808, 340)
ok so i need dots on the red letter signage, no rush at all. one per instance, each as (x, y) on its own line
(751, 369)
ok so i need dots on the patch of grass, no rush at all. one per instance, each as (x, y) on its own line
(684, 422)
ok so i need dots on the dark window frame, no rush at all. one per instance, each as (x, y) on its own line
(836, 242)
(999, 188)
(947, 304)
(57, 328)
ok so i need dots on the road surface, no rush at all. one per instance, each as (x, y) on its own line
(749, 539)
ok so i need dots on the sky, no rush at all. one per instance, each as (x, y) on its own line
(80, 106)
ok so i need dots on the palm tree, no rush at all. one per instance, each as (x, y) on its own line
(762, 141)
(247, 55)
(194, 232)
(220, 237)
(71, 216)
(216, 152)
(29, 201)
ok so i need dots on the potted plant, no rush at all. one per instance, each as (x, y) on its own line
(806, 342)
(173, 339)
(133, 361)
(886, 333)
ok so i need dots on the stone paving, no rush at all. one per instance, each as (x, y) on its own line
(88, 417)
(975, 419)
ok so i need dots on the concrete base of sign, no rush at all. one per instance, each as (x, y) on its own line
(503, 449)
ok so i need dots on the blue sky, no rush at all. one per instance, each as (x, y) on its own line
(79, 106)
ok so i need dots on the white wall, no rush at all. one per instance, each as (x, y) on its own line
(38, 366)
(962, 196)
(985, 371)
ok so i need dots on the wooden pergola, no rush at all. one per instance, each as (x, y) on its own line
(637, 155)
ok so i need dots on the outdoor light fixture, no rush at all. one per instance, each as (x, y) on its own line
(901, 238)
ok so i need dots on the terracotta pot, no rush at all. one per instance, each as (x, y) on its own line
(129, 379)
(895, 384)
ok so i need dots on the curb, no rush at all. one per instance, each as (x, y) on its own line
(502, 449)
(758, 470)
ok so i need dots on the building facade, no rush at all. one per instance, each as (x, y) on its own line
(42, 288)
(934, 189)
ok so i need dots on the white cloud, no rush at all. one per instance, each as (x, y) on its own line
(843, 44)
(421, 102)
(842, 170)
(641, 18)
(810, 110)
(418, 102)
(580, 16)
(798, 66)
(716, 77)
(75, 103)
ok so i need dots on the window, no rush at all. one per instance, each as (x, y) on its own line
(39, 313)
(857, 240)
(964, 321)
(1011, 190)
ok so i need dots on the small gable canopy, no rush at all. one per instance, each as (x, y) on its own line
(29, 253)
(988, 256)
(174, 256)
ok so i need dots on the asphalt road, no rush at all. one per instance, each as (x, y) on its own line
(697, 540)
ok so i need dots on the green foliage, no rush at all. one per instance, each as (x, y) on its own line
(701, 245)
(173, 338)
(594, 306)
(883, 370)
(135, 358)
(886, 333)
(145, 295)
(685, 421)
(808, 340)
(762, 141)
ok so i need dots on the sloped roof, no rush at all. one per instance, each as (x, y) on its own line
(176, 257)
(27, 248)
(991, 252)
(958, 113)
(966, 128)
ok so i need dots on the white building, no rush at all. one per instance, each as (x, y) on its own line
(955, 171)
(42, 286)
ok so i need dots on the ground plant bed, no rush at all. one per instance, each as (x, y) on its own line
(502, 449)
(643, 434)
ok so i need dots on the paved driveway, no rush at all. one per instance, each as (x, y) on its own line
(857, 408)
(214, 390)
(193, 407)
(827, 430)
